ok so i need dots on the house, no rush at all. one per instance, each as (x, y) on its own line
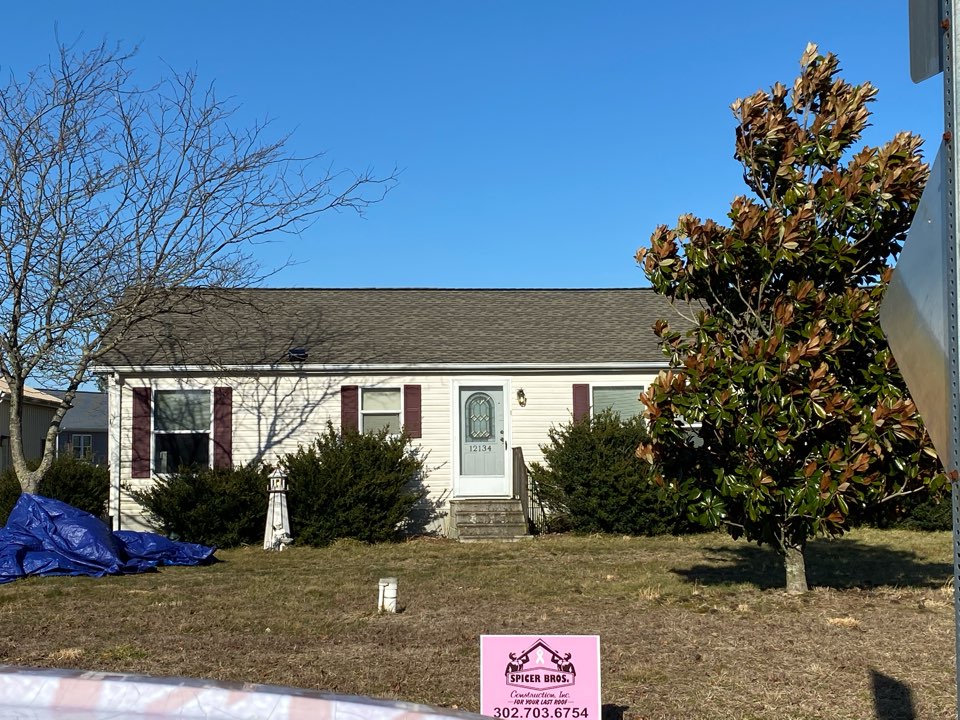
(38, 412)
(83, 430)
(475, 377)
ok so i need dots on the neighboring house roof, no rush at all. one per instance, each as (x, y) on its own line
(31, 394)
(88, 412)
(240, 327)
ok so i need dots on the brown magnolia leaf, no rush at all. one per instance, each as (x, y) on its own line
(645, 452)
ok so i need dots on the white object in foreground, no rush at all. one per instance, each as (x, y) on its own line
(72, 695)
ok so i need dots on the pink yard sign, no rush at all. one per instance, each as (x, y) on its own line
(534, 677)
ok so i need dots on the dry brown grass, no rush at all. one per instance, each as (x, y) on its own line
(692, 627)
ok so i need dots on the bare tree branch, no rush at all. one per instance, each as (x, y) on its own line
(114, 197)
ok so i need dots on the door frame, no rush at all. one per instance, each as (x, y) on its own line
(455, 432)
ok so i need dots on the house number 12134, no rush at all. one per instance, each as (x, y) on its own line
(480, 448)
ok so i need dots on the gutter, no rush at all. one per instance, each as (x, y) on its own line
(339, 368)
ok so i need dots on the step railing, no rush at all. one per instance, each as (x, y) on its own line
(521, 486)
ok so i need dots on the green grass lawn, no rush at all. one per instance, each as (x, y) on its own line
(692, 627)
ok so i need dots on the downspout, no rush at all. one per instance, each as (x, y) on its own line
(115, 450)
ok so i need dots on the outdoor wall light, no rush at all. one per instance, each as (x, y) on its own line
(521, 398)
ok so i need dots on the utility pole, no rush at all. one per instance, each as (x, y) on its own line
(920, 313)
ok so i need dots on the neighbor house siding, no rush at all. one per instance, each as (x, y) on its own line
(98, 441)
(36, 422)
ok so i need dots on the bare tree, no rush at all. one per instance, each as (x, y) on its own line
(114, 198)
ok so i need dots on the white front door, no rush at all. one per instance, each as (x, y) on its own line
(481, 441)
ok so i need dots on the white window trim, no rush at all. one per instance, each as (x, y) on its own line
(361, 412)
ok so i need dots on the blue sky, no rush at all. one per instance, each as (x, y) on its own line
(541, 142)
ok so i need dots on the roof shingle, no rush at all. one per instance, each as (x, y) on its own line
(258, 326)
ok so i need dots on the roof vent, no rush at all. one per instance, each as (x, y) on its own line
(297, 354)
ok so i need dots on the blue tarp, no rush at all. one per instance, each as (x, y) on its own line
(48, 537)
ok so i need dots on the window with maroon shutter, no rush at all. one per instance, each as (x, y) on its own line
(222, 427)
(181, 429)
(140, 428)
(581, 401)
(412, 418)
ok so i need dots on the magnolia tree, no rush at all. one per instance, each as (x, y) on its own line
(801, 415)
(114, 198)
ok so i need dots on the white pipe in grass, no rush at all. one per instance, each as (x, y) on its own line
(387, 601)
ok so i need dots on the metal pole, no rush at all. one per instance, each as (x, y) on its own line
(951, 14)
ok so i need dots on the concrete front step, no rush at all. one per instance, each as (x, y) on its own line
(487, 519)
(487, 505)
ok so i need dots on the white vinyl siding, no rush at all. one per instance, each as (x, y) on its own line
(274, 414)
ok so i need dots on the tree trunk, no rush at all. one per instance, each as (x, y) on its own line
(30, 479)
(796, 569)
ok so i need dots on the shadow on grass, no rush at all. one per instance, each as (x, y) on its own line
(840, 564)
(892, 699)
(613, 712)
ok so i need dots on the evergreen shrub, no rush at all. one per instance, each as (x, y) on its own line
(224, 507)
(9, 494)
(593, 482)
(71, 480)
(353, 485)
(77, 482)
(926, 510)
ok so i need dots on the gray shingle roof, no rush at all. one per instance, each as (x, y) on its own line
(88, 411)
(402, 326)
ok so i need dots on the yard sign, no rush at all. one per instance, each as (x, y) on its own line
(532, 677)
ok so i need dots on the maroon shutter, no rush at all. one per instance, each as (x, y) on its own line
(140, 447)
(349, 408)
(581, 401)
(412, 419)
(222, 427)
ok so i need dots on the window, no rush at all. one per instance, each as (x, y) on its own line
(479, 418)
(83, 446)
(181, 429)
(622, 399)
(380, 408)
